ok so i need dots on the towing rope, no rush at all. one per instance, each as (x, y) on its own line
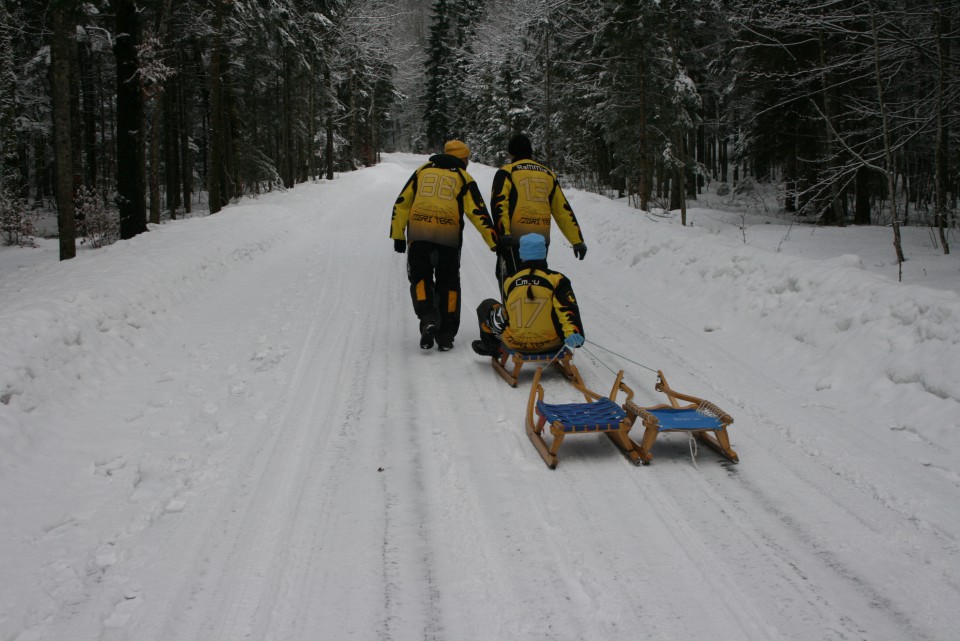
(556, 356)
(607, 349)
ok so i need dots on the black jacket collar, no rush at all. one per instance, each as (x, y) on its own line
(446, 161)
(535, 264)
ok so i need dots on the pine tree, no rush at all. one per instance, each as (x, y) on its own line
(437, 101)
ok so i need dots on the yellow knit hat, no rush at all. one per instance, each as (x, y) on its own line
(457, 149)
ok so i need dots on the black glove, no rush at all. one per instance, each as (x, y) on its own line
(399, 245)
(580, 250)
(503, 243)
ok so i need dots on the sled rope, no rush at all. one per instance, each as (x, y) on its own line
(693, 451)
(606, 349)
(556, 356)
(596, 358)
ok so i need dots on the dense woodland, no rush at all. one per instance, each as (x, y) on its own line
(117, 113)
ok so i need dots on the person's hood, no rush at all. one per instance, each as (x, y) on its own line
(446, 161)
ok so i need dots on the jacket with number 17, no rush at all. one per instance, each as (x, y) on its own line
(541, 309)
(525, 195)
(433, 202)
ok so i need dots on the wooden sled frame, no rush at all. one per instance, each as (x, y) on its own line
(563, 362)
(598, 415)
(710, 428)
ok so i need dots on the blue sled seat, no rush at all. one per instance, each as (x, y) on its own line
(684, 419)
(600, 416)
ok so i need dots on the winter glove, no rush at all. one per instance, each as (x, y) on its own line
(399, 245)
(573, 340)
(580, 250)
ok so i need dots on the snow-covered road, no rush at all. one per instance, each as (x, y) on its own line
(225, 429)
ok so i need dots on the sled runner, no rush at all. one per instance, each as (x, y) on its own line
(517, 360)
(701, 419)
(598, 415)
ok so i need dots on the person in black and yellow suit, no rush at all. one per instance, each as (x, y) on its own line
(428, 224)
(539, 312)
(525, 196)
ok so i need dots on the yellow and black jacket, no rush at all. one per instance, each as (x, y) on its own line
(525, 195)
(541, 308)
(433, 202)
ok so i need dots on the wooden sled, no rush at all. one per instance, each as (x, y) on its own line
(701, 419)
(563, 362)
(599, 414)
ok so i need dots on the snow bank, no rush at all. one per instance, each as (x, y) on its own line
(830, 324)
(63, 322)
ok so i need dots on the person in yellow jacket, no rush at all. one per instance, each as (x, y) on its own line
(525, 196)
(427, 224)
(539, 312)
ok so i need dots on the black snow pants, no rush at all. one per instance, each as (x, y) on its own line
(434, 274)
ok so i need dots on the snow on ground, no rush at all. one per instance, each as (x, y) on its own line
(224, 429)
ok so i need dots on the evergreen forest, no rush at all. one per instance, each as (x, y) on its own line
(119, 113)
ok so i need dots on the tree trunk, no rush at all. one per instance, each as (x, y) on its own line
(861, 212)
(131, 198)
(171, 147)
(330, 104)
(215, 141)
(88, 112)
(157, 103)
(186, 166)
(352, 147)
(286, 109)
(155, 164)
(548, 98)
(311, 130)
(790, 180)
(701, 138)
(232, 186)
(887, 150)
(680, 190)
(76, 119)
(646, 170)
(832, 214)
(724, 158)
(63, 37)
(941, 153)
(10, 172)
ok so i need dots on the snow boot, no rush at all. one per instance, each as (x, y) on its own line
(427, 331)
(483, 349)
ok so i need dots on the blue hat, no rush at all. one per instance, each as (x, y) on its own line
(533, 247)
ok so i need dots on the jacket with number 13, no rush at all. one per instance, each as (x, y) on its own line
(525, 195)
(433, 202)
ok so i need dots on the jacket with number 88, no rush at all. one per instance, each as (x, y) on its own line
(433, 202)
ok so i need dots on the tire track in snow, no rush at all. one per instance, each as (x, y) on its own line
(249, 571)
(231, 592)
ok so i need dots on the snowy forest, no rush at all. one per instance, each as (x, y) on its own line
(120, 113)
